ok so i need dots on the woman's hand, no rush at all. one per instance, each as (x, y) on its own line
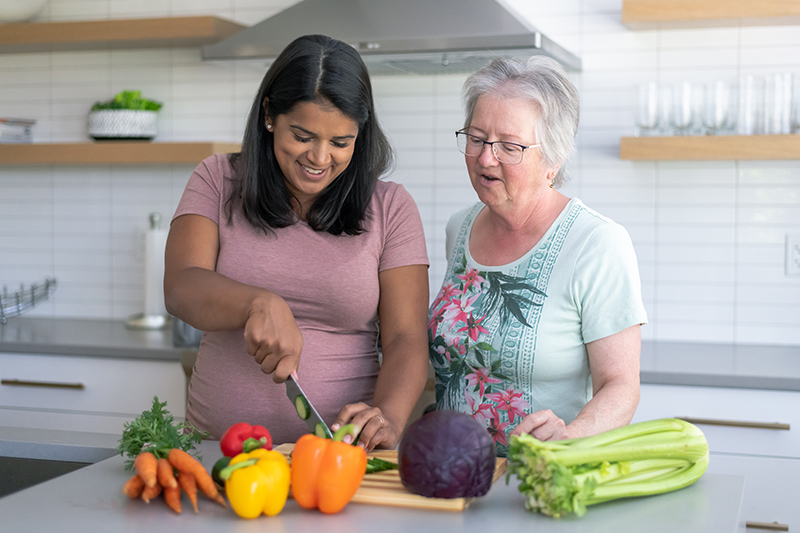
(543, 425)
(376, 429)
(272, 337)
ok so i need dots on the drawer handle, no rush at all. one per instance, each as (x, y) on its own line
(774, 526)
(43, 384)
(734, 423)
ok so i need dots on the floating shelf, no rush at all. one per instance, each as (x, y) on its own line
(668, 14)
(21, 37)
(710, 148)
(112, 153)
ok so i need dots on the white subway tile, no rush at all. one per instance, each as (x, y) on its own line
(692, 331)
(767, 334)
(691, 293)
(676, 272)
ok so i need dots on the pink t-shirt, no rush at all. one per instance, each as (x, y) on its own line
(331, 285)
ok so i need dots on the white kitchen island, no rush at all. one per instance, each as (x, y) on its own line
(90, 499)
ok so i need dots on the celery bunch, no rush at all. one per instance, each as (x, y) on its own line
(561, 477)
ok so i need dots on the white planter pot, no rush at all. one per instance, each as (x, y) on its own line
(123, 124)
(19, 10)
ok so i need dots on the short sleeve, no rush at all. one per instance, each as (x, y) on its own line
(607, 287)
(203, 194)
(404, 237)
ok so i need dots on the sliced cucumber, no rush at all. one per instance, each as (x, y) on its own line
(302, 407)
(321, 431)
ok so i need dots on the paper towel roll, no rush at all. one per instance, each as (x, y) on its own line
(154, 245)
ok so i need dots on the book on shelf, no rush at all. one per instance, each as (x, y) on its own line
(16, 130)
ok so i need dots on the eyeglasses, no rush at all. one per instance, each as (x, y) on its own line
(507, 153)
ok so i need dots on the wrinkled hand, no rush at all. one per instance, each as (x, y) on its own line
(376, 429)
(272, 337)
(543, 425)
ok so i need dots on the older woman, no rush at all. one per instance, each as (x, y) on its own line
(537, 326)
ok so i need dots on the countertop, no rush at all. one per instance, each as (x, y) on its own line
(90, 338)
(662, 362)
(90, 499)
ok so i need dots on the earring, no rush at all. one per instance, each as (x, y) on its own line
(269, 127)
(550, 179)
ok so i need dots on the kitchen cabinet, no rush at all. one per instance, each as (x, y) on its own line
(710, 148)
(112, 153)
(90, 394)
(106, 34)
(650, 14)
(768, 456)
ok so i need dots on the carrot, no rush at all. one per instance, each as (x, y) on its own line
(145, 465)
(172, 495)
(151, 492)
(189, 486)
(186, 463)
(165, 474)
(133, 487)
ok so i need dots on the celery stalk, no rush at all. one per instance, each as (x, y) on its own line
(561, 477)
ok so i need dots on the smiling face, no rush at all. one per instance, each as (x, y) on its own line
(313, 145)
(501, 186)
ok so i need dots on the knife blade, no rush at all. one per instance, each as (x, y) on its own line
(304, 409)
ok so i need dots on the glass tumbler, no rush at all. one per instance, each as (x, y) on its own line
(683, 108)
(751, 106)
(795, 122)
(647, 115)
(777, 103)
(718, 110)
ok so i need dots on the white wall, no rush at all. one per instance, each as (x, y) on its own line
(709, 235)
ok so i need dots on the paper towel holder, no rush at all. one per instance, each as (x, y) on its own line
(144, 320)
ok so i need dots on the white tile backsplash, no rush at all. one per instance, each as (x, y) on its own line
(709, 236)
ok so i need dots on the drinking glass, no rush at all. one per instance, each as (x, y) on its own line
(665, 110)
(777, 103)
(718, 111)
(683, 108)
(647, 115)
(796, 103)
(751, 105)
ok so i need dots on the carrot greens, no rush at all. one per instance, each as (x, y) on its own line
(156, 431)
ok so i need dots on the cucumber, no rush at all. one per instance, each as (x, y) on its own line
(302, 407)
(321, 431)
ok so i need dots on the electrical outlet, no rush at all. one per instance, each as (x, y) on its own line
(793, 254)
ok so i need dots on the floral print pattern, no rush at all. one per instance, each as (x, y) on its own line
(468, 368)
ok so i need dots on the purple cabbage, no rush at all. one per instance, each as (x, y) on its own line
(447, 454)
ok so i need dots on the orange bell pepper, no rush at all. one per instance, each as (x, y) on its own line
(326, 473)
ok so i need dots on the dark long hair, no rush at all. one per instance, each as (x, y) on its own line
(313, 68)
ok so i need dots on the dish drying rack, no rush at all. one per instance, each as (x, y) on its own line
(16, 303)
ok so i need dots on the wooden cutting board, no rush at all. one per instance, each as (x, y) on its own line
(385, 488)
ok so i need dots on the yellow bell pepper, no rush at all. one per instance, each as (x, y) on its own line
(257, 482)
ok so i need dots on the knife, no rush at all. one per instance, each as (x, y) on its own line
(304, 408)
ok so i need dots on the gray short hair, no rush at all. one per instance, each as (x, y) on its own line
(544, 82)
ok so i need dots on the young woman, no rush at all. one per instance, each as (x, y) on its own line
(293, 256)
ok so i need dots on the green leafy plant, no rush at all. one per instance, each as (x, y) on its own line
(128, 100)
(155, 431)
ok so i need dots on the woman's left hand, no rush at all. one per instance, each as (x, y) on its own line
(376, 429)
(543, 425)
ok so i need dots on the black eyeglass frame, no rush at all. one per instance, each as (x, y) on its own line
(494, 151)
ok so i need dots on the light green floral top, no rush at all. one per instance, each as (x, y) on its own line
(509, 340)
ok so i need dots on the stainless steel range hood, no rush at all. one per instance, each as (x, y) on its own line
(401, 36)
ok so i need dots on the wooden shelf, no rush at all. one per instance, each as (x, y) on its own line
(710, 148)
(667, 14)
(103, 34)
(111, 153)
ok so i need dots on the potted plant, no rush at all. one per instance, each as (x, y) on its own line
(126, 116)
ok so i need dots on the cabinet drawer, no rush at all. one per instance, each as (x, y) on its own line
(728, 404)
(770, 490)
(90, 384)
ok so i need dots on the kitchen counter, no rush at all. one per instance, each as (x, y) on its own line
(90, 499)
(750, 366)
(92, 338)
(662, 362)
